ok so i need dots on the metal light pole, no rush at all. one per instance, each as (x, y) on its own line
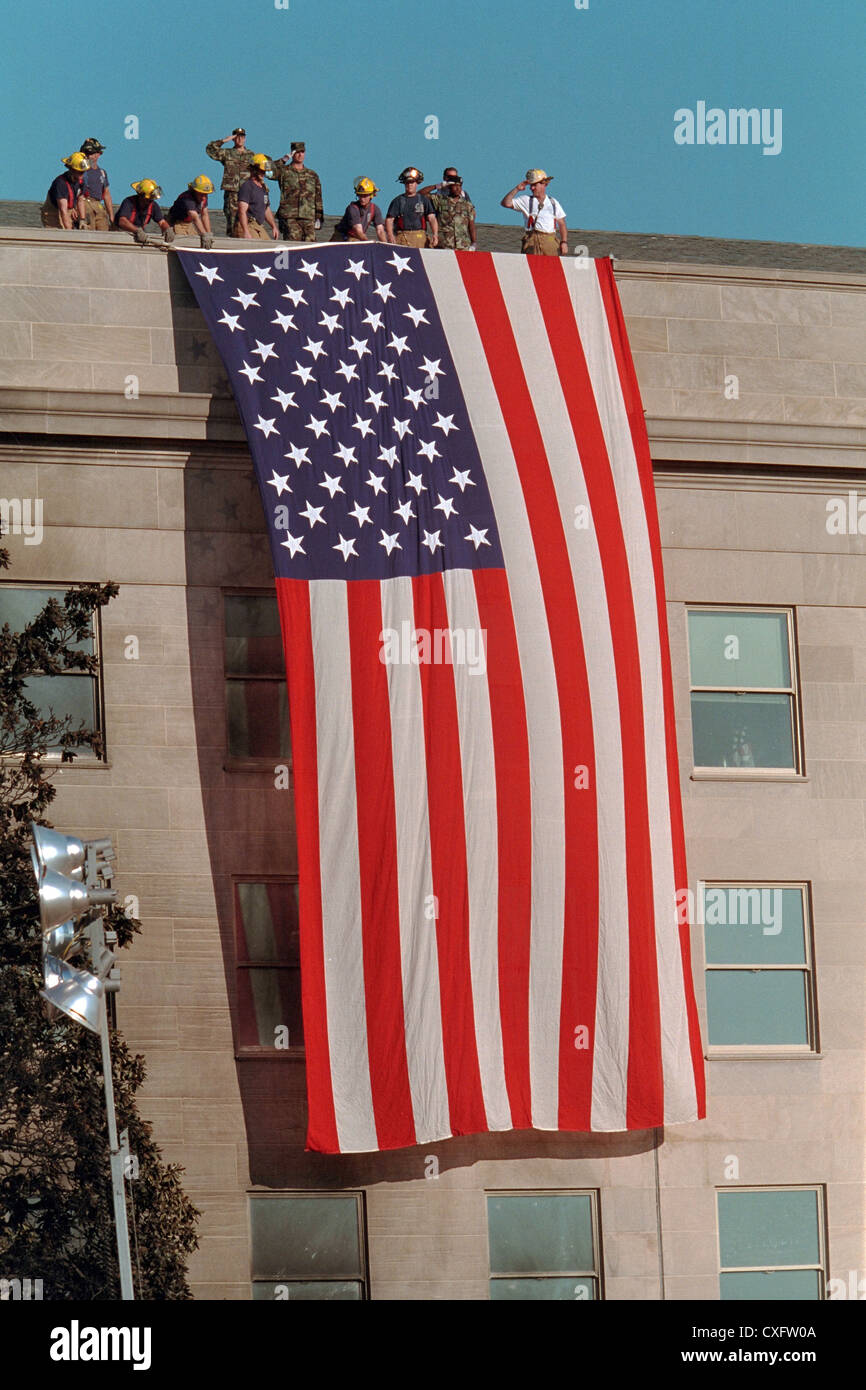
(73, 878)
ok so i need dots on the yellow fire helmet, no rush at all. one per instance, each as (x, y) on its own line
(201, 184)
(365, 186)
(538, 176)
(76, 161)
(146, 187)
(259, 161)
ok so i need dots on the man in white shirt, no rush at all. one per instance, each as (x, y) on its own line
(541, 215)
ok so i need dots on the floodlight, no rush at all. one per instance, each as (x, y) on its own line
(51, 850)
(76, 993)
(61, 897)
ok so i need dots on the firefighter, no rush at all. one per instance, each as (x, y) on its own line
(188, 213)
(64, 201)
(542, 215)
(411, 217)
(142, 213)
(98, 207)
(255, 220)
(360, 214)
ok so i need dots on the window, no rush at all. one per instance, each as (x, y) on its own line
(543, 1246)
(257, 711)
(760, 982)
(268, 965)
(743, 689)
(309, 1246)
(77, 694)
(771, 1243)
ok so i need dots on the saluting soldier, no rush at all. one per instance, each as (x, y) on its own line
(455, 212)
(64, 201)
(542, 215)
(236, 164)
(300, 211)
(98, 207)
(411, 217)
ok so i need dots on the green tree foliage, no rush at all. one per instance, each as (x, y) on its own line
(56, 1213)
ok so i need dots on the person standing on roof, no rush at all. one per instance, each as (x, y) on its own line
(360, 214)
(255, 219)
(300, 211)
(411, 217)
(455, 212)
(98, 208)
(542, 216)
(188, 213)
(64, 201)
(142, 214)
(236, 166)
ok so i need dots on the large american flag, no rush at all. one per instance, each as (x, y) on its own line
(454, 467)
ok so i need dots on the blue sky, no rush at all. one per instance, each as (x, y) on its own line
(589, 94)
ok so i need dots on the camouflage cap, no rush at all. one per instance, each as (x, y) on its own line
(299, 145)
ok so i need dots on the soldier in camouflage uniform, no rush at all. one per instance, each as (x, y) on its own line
(236, 164)
(455, 212)
(300, 212)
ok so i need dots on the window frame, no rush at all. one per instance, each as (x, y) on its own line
(765, 1051)
(707, 772)
(88, 759)
(245, 1052)
(596, 1274)
(237, 762)
(820, 1190)
(359, 1197)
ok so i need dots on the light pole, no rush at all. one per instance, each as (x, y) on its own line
(73, 878)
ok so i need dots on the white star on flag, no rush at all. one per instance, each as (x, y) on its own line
(477, 537)
(374, 320)
(431, 540)
(414, 481)
(376, 399)
(431, 369)
(284, 398)
(315, 349)
(319, 427)
(348, 370)
(414, 397)
(346, 454)
(347, 547)
(285, 321)
(359, 346)
(398, 344)
(312, 515)
(251, 373)
(309, 268)
(267, 427)
(416, 315)
(402, 428)
(362, 424)
(296, 296)
(387, 370)
(404, 509)
(230, 320)
(333, 485)
(281, 484)
(245, 300)
(461, 480)
(294, 544)
(445, 423)
(297, 455)
(333, 400)
(445, 505)
(342, 297)
(390, 542)
(400, 263)
(210, 273)
(263, 350)
(305, 373)
(356, 268)
(330, 321)
(361, 514)
(429, 450)
(384, 291)
(388, 456)
(375, 482)
(260, 273)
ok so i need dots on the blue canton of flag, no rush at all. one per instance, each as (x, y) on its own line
(348, 394)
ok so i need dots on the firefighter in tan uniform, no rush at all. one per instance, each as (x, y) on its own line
(255, 219)
(64, 201)
(98, 207)
(542, 216)
(411, 217)
(188, 214)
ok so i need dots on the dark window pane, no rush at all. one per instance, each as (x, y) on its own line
(771, 1285)
(18, 607)
(65, 695)
(320, 1290)
(742, 730)
(296, 1237)
(739, 649)
(570, 1290)
(768, 1228)
(270, 999)
(764, 1007)
(258, 719)
(752, 925)
(253, 642)
(268, 915)
(540, 1233)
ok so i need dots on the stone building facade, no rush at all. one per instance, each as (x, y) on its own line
(116, 413)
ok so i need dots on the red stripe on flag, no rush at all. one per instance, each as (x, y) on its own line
(634, 409)
(293, 598)
(448, 859)
(645, 1105)
(514, 834)
(377, 855)
(552, 560)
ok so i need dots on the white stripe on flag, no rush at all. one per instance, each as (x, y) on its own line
(680, 1097)
(418, 953)
(539, 686)
(478, 765)
(611, 1030)
(340, 869)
